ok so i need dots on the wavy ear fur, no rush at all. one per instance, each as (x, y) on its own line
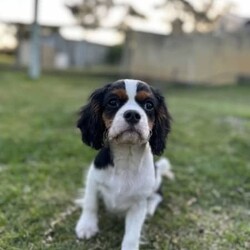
(90, 120)
(161, 127)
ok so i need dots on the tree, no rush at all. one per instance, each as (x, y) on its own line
(91, 13)
(201, 18)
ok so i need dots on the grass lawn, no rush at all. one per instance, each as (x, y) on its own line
(42, 161)
(6, 59)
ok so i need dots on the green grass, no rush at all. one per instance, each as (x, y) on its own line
(42, 162)
(6, 59)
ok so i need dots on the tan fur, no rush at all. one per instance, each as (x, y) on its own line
(142, 95)
(107, 121)
(121, 93)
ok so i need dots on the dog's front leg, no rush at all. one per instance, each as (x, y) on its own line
(134, 221)
(87, 225)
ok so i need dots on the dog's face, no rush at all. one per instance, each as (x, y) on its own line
(125, 112)
(129, 112)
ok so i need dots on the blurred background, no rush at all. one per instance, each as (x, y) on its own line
(171, 40)
(54, 53)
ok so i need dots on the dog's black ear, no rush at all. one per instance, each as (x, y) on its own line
(90, 120)
(161, 126)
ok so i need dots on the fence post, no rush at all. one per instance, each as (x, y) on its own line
(34, 66)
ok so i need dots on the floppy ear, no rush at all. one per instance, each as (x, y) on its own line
(90, 120)
(161, 127)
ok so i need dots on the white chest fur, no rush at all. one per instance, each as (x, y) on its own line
(131, 179)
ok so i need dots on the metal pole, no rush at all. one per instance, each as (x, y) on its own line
(34, 66)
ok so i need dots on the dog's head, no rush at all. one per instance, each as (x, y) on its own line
(125, 112)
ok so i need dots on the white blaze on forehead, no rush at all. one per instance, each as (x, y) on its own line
(119, 124)
(131, 88)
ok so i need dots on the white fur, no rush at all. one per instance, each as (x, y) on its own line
(131, 86)
(119, 124)
(129, 187)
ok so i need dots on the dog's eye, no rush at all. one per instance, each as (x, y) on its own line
(114, 103)
(148, 106)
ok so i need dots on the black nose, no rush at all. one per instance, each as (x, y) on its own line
(132, 116)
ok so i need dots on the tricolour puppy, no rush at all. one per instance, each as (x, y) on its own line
(128, 122)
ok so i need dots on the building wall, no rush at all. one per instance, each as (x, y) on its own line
(84, 54)
(194, 58)
(59, 53)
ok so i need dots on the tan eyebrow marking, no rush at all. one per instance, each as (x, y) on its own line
(121, 93)
(142, 95)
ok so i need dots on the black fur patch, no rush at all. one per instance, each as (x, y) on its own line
(162, 125)
(142, 87)
(120, 84)
(90, 120)
(104, 158)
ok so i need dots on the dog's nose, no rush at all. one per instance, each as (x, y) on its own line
(132, 116)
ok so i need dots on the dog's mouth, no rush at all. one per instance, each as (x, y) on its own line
(130, 135)
(130, 130)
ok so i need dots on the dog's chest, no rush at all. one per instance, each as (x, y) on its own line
(121, 188)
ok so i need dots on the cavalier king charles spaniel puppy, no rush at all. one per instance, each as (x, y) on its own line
(128, 122)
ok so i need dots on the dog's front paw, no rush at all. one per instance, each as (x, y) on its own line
(86, 227)
(130, 246)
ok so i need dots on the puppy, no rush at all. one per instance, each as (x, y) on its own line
(128, 122)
